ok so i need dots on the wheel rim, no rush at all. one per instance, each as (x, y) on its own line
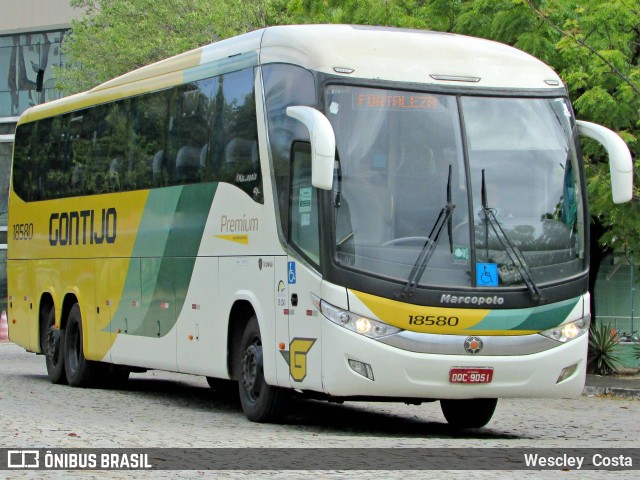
(53, 345)
(252, 377)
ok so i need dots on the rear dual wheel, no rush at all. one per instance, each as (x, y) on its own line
(52, 346)
(80, 371)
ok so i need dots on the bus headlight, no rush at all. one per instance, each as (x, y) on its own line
(569, 331)
(357, 323)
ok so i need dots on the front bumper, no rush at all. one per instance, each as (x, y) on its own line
(400, 373)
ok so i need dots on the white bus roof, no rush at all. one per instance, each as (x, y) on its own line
(406, 55)
(374, 53)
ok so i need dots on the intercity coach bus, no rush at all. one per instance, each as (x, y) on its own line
(330, 211)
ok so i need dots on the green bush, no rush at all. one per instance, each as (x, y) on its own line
(603, 350)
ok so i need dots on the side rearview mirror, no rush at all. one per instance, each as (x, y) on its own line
(620, 163)
(323, 144)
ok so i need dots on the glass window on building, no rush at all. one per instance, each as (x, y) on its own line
(25, 61)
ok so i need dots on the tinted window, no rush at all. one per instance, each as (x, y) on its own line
(285, 85)
(203, 131)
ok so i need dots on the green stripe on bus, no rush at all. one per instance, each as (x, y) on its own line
(535, 319)
(548, 316)
(163, 258)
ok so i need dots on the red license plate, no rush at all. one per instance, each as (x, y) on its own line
(470, 375)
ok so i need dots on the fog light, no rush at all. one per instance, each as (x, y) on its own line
(567, 372)
(361, 368)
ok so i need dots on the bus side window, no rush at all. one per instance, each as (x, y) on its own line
(82, 129)
(148, 142)
(233, 154)
(26, 181)
(285, 85)
(54, 147)
(189, 133)
(304, 230)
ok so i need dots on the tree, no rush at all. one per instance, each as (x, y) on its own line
(593, 44)
(117, 36)
(595, 47)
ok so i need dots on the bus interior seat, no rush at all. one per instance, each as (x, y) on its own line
(415, 170)
(77, 177)
(365, 194)
(114, 172)
(242, 150)
(188, 166)
(157, 165)
(203, 157)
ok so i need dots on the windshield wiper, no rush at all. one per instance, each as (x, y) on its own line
(515, 255)
(429, 247)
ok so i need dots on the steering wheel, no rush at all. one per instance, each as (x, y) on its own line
(406, 242)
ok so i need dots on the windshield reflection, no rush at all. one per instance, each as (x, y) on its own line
(395, 149)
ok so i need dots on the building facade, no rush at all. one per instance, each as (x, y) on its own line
(31, 33)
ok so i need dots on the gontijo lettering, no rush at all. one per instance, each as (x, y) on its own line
(83, 227)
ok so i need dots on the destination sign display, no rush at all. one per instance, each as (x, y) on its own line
(397, 101)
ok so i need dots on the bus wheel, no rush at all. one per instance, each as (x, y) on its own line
(260, 401)
(80, 371)
(471, 413)
(52, 346)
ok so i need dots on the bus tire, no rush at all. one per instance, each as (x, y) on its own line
(468, 413)
(52, 346)
(80, 371)
(260, 401)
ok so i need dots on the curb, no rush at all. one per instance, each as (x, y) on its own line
(626, 393)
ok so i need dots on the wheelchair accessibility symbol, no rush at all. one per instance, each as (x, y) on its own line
(291, 272)
(487, 274)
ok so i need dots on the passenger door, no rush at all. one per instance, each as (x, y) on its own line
(303, 279)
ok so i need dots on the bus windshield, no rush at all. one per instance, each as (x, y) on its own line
(504, 169)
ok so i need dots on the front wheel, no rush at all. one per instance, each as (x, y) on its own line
(260, 401)
(468, 413)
